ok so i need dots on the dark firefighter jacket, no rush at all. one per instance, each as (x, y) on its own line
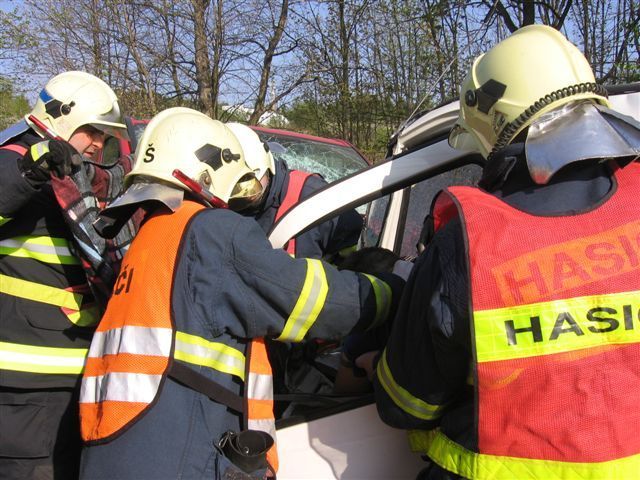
(46, 319)
(429, 352)
(324, 240)
(228, 286)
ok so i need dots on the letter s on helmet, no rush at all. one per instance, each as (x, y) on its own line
(533, 71)
(73, 99)
(202, 148)
(256, 152)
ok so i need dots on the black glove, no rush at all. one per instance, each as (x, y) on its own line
(55, 157)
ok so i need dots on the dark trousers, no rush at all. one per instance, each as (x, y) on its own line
(39, 434)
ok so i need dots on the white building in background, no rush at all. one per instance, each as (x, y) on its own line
(267, 119)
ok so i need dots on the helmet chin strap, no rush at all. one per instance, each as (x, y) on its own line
(500, 165)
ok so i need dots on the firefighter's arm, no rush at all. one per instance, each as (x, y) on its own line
(424, 366)
(334, 239)
(255, 290)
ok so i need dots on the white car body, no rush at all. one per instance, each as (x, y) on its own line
(355, 444)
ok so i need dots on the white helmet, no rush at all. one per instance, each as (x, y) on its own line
(256, 152)
(73, 99)
(531, 72)
(203, 149)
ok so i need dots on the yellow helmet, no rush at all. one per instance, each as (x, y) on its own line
(256, 152)
(73, 99)
(531, 72)
(202, 148)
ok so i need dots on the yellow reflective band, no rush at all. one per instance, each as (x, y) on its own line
(401, 397)
(200, 351)
(87, 317)
(557, 326)
(4, 220)
(38, 150)
(346, 251)
(39, 293)
(27, 358)
(455, 458)
(383, 299)
(309, 305)
(44, 249)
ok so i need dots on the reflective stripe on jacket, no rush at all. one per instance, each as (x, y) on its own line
(46, 303)
(556, 326)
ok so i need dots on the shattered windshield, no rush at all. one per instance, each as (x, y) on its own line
(333, 162)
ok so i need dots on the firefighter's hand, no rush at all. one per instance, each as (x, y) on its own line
(366, 361)
(51, 157)
(402, 268)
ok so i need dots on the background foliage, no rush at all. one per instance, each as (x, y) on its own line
(353, 69)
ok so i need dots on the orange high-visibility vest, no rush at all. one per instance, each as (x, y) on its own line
(132, 347)
(556, 337)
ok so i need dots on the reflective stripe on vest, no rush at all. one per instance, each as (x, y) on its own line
(130, 353)
(44, 249)
(259, 396)
(297, 180)
(47, 360)
(455, 458)
(69, 300)
(556, 324)
(309, 305)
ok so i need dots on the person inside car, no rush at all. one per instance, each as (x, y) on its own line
(515, 351)
(177, 375)
(52, 275)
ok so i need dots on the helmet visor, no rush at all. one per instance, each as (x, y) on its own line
(118, 130)
(246, 194)
(461, 139)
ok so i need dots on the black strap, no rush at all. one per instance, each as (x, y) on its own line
(212, 389)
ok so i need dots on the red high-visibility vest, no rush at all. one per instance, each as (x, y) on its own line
(556, 337)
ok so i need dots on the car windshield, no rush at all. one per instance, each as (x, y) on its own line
(331, 161)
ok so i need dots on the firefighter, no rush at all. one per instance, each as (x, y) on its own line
(283, 188)
(516, 349)
(333, 240)
(48, 313)
(175, 377)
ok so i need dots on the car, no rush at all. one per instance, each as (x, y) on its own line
(345, 438)
(330, 157)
